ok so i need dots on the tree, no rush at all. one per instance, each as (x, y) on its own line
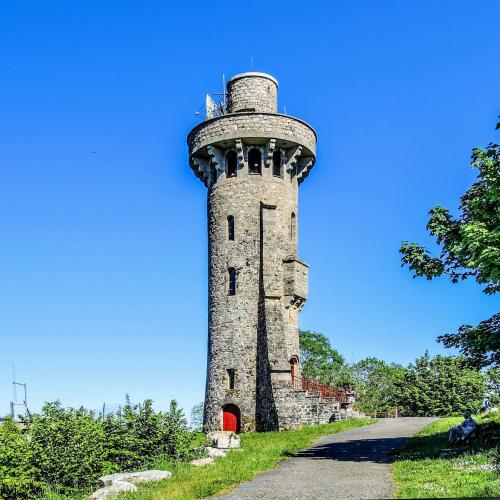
(319, 360)
(196, 417)
(470, 248)
(374, 382)
(493, 376)
(443, 385)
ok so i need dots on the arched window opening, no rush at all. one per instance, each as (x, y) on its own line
(254, 161)
(230, 227)
(293, 226)
(230, 378)
(232, 281)
(277, 163)
(231, 164)
(293, 369)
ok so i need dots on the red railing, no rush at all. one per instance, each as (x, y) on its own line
(319, 388)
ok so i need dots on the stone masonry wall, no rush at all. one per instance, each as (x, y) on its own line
(241, 125)
(252, 92)
(234, 320)
(298, 407)
(254, 332)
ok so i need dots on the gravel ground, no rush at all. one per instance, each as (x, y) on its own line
(350, 464)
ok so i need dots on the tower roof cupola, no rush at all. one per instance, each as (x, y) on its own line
(252, 91)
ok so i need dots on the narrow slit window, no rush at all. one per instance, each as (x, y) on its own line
(255, 161)
(230, 228)
(277, 164)
(232, 281)
(230, 378)
(231, 164)
(293, 226)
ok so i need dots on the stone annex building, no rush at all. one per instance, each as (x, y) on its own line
(252, 159)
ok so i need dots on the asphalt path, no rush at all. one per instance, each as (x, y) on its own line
(350, 464)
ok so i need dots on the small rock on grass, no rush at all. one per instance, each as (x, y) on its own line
(224, 439)
(113, 490)
(215, 452)
(145, 476)
(201, 462)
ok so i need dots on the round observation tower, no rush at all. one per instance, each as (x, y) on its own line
(252, 160)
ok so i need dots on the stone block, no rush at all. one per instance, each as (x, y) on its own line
(224, 439)
(113, 490)
(201, 462)
(136, 477)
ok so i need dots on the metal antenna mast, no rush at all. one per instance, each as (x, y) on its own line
(15, 401)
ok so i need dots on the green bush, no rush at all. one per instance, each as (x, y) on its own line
(441, 386)
(17, 474)
(66, 450)
(67, 447)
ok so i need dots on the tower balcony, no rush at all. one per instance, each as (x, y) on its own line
(295, 280)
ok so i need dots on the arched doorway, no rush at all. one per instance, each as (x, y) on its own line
(231, 418)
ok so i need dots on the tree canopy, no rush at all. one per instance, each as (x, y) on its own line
(318, 358)
(470, 248)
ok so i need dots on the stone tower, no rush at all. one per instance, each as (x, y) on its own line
(252, 160)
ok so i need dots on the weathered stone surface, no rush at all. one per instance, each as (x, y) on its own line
(252, 91)
(253, 333)
(215, 452)
(201, 462)
(113, 490)
(136, 477)
(224, 439)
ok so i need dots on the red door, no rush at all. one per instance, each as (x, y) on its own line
(231, 418)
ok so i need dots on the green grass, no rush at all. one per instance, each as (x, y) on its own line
(423, 470)
(260, 452)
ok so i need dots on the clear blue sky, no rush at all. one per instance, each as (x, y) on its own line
(103, 253)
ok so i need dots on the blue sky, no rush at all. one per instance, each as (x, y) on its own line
(103, 226)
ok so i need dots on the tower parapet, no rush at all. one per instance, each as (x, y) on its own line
(252, 160)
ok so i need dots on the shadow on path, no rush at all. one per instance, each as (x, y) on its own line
(355, 450)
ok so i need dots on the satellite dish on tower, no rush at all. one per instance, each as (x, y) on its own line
(211, 107)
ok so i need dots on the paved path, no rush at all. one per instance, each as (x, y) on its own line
(350, 464)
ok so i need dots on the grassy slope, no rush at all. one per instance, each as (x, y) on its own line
(423, 470)
(261, 451)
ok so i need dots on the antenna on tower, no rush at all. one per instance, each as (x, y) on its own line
(210, 107)
(223, 103)
(251, 63)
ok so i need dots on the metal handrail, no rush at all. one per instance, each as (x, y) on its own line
(315, 387)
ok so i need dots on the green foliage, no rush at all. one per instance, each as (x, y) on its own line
(479, 344)
(374, 383)
(196, 417)
(425, 467)
(470, 248)
(17, 474)
(261, 451)
(139, 436)
(443, 385)
(66, 447)
(470, 242)
(66, 450)
(493, 381)
(319, 360)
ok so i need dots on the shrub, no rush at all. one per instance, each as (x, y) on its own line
(67, 447)
(443, 385)
(17, 475)
(65, 450)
